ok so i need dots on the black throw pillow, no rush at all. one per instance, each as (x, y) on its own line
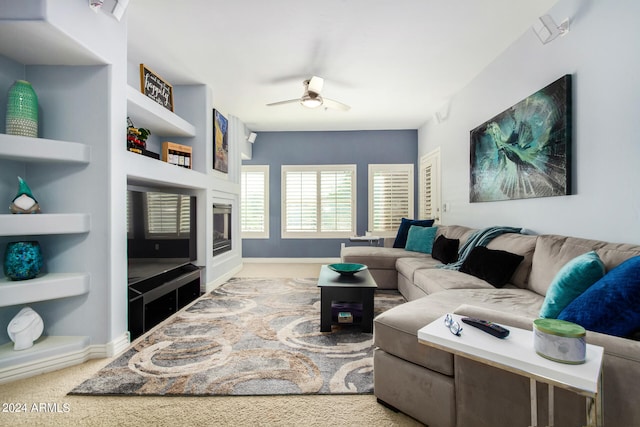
(403, 230)
(494, 266)
(445, 250)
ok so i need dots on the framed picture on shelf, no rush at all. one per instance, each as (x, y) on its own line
(156, 88)
(525, 151)
(220, 142)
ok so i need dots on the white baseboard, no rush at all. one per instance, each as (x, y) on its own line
(65, 352)
(291, 260)
(209, 286)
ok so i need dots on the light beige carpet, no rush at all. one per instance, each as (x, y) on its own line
(51, 390)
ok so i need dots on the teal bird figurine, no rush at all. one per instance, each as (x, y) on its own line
(24, 202)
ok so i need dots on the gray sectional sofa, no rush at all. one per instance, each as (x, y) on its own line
(444, 390)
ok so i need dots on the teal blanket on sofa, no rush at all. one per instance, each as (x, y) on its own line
(479, 238)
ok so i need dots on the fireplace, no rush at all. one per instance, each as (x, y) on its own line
(221, 229)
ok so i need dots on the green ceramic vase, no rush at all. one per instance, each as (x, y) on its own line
(22, 110)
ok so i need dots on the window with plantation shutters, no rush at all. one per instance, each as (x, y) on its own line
(254, 202)
(318, 201)
(168, 216)
(390, 197)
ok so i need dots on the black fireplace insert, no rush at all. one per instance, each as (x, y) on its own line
(221, 229)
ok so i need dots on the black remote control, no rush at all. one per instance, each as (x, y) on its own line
(488, 327)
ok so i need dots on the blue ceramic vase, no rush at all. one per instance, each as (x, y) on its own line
(22, 260)
(22, 110)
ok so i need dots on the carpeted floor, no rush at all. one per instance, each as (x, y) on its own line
(273, 411)
(251, 336)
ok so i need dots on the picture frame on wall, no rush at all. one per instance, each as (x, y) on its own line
(220, 142)
(525, 151)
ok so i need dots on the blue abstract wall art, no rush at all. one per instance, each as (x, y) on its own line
(525, 151)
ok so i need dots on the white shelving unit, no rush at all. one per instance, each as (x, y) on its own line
(41, 224)
(45, 46)
(24, 148)
(47, 287)
(146, 113)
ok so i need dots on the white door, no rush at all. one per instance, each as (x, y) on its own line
(429, 186)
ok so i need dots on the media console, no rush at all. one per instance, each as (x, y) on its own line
(153, 298)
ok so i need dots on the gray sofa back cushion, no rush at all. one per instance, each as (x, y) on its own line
(553, 252)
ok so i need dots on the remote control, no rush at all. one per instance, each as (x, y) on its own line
(488, 327)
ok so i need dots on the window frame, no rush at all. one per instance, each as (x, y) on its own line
(264, 169)
(390, 168)
(318, 234)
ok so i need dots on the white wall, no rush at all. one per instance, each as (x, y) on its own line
(601, 52)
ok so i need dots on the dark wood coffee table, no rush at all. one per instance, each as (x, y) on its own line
(356, 288)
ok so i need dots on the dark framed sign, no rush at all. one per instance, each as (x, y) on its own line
(220, 142)
(156, 88)
(525, 151)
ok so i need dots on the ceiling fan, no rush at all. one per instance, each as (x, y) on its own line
(312, 97)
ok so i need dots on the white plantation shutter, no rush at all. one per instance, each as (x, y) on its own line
(167, 215)
(390, 196)
(336, 200)
(254, 202)
(319, 201)
(426, 210)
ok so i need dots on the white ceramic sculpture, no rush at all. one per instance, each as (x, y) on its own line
(25, 328)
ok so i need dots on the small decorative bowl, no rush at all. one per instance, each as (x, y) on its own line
(347, 269)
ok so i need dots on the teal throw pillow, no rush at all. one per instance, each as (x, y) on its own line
(610, 306)
(570, 282)
(403, 230)
(420, 239)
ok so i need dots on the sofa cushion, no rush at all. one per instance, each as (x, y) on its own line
(610, 306)
(459, 232)
(445, 250)
(553, 252)
(571, 281)
(403, 230)
(409, 265)
(420, 239)
(493, 265)
(396, 330)
(436, 280)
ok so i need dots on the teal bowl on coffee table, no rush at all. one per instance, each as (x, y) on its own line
(347, 269)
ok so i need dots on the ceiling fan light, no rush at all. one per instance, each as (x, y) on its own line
(310, 102)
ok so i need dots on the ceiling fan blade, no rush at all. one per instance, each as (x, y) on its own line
(315, 84)
(289, 101)
(330, 103)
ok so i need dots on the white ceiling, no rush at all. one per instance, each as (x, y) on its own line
(395, 62)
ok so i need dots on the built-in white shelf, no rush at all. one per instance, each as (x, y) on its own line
(46, 287)
(146, 113)
(43, 224)
(24, 148)
(28, 36)
(143, 170)
(47, 354)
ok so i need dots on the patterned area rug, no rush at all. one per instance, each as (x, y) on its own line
(248, 337)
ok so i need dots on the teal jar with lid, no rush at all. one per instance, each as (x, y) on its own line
(559, 340)
(22, 110)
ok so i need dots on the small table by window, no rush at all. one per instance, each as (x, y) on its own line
(516, 354)
(373, 240)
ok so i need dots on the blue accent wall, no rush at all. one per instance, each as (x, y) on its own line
(317, 148)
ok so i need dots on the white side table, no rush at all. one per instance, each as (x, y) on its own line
(373, 240)
(516, 354)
